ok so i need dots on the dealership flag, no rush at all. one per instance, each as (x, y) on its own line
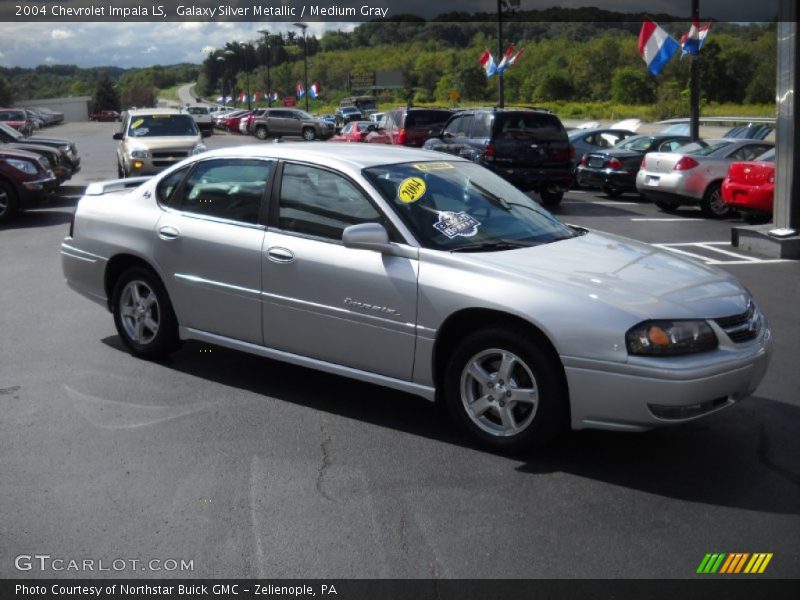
(693, 41)
(256, 96)
(220, 100)
(273, 96)
(487, 61)
(300, 90)
(656, 47)
(229, 99)
(313, 90)
(509, 58)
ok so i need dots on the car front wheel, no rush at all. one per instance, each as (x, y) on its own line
(506, 390)
(8, 201)
(309, 134)
(143, 314)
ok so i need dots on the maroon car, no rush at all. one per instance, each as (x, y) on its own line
(25, 178)
(105, 115)
(409, 126)
(18, 119)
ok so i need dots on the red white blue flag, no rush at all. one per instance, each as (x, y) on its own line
(487, 61)
(509, 58)
(313, 90)
(300, 90)
(693, 41)
(656, 47)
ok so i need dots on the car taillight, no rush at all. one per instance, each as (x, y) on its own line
(401, 137)
(488, 152)
(584, 161)
(685, 163)
(614, 163)
(571, 152)
(644, 163)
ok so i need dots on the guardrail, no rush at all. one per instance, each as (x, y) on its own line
(710, 120)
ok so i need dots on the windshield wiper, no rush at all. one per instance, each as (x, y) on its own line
(491, 246)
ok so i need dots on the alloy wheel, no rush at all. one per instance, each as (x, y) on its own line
(139, 312)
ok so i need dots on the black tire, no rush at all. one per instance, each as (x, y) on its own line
(551, 198)
(120, 171)
(666, 206)
(261, 132)
(309, 134)
(535, 367)
(712, 204)
(612, 192)
(127, 311)
(9, 203)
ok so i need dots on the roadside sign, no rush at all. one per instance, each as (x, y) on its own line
(453, 96)
(290, 101)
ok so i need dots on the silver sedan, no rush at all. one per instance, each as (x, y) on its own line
(694, 174)
(431, 276)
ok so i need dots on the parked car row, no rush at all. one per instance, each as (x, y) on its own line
(27, 120)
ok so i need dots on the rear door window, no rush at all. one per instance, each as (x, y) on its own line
(520, 125)
(482, 125)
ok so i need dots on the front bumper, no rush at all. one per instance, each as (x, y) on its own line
(37, 189)
(626, 397)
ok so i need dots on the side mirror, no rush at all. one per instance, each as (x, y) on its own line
(118, 135)
(446, 136)
(366, 236)
(436, 132)
(205, 133)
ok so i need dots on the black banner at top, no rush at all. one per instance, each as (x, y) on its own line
(389, 10)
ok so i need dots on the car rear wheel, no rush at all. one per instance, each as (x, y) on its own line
(551, 198)
(712, 204)
(261, 132)
(309, 134)
(666, 205)
(120, 171)
(143, 314)
(8, 201)
(506, 390)
(612, 192)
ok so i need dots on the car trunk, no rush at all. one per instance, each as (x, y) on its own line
(751, 173)
(529, 140)
(662, 162)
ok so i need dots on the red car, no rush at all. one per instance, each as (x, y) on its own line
(25, 178)
(750, 186)
(18, 119)
(232, 122)
(105, 115)
(354, 131)
(409, 126)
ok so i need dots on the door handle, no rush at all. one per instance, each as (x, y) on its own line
(280, 255)
(168, 233)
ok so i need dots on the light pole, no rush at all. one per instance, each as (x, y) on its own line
(222, 79)
(269, 84)
(303, 26)
(244, 46)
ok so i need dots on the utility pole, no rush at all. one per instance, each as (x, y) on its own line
(304, 26)
(501, 100)
(694, 84)
(269, 84)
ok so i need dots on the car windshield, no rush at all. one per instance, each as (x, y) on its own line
(463, 206)
(304, 115)
(162, 125)
(11, 131)
(349, 109)
(197, 110)
(712, 146)
(11, 115)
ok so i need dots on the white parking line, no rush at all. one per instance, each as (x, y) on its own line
(739, 259)
(669, 219)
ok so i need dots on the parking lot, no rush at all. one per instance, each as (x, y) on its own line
(254, 468)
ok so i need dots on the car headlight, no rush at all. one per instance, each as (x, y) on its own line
(670, 338)
(199, 148)
(23, 165)
(139, 153)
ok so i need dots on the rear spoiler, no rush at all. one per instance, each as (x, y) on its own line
(104, 187)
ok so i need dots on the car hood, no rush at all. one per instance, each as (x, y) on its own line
(641, 279)
(38, 148)
(157, 143)
(8, 152)
(48, 141)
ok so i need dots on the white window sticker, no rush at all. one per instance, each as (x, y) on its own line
(455, 224)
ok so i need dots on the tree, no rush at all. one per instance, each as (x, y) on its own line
(5, 92)
(632, 86)
(105, 95)
(554, 86)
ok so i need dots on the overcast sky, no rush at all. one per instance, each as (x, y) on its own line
(132, 44)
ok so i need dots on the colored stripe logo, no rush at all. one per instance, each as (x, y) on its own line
(734, 563)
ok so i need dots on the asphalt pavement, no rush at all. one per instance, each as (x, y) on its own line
(252, 468)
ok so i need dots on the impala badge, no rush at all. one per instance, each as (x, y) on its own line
(371, 307)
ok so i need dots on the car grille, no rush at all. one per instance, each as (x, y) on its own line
(165, 159)
(742, 328)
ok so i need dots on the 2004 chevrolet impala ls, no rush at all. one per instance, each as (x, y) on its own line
(429, 275)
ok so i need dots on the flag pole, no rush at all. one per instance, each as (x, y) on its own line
(501, 100)
(694, 84)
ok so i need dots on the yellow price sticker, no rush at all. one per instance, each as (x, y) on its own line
(433, 166)
(137, 123)
(411, 189)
